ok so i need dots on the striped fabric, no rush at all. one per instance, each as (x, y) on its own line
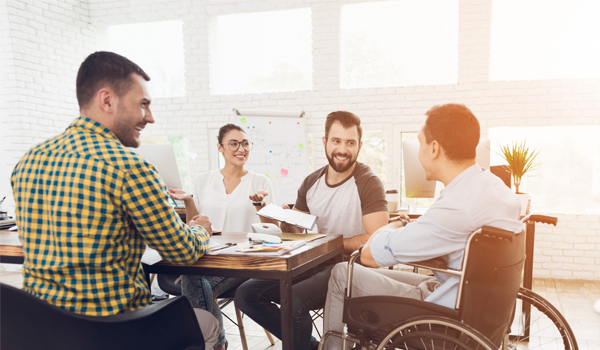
(86, 207)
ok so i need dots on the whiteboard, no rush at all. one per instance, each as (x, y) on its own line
(280, 152)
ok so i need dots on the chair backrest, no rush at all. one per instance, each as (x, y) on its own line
(27, 322)
(169, 283)
(491, 279)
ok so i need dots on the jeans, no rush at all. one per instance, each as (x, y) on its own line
(202, 292)
(257, 298)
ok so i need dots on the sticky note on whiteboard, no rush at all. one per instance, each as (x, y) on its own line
(301, 145)
(284, 172)
(243, 120)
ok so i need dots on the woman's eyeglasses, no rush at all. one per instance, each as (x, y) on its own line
(234, 145)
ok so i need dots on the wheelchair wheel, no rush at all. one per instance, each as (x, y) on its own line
(547, 329)
(432, 333)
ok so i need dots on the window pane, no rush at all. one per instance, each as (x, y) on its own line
(373, 152)
(568, 179)
(545, 39)
(156, 47)
(261, 52)
(392, 43)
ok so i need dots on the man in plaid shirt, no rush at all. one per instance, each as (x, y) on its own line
(86, 205)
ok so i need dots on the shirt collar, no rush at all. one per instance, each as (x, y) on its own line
(92, 126)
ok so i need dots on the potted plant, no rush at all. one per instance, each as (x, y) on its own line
(520, 161)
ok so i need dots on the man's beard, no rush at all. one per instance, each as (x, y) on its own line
(341, 168)
(123, 131)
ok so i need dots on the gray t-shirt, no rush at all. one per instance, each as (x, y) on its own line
(340, 208)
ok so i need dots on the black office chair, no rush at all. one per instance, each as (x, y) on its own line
(27, 322)
(489, 283)
(171, 284)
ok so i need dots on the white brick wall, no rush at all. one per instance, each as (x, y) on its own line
(43, 44)
(48, 41)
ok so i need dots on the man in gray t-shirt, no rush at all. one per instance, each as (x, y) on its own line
(349, 199)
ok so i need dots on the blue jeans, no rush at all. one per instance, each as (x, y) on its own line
(257, 298)
(202, 292)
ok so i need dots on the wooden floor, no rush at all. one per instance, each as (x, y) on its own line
(574, 299)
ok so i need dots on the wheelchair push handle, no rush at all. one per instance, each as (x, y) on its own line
(544, 219)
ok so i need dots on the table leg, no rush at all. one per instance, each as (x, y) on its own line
(528, 273)
(287, 332)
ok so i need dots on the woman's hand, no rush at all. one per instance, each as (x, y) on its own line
(258, 196)
(179, 195)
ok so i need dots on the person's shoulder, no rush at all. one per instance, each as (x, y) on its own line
(315, 175)
(363, 174)
(207, 176)
(258, 177)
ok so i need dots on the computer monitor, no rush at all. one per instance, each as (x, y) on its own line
(415, 183)
(162, 157)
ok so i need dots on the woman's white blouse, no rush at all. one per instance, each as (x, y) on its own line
(234, 211)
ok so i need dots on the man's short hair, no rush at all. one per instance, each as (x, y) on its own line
(455, 128)
(101, 69)
(347, 120)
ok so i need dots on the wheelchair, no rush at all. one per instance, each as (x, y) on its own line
(490, 302)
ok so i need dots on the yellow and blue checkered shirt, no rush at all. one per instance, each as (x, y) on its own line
(86, 206)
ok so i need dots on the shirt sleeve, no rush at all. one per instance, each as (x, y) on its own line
(373, 196)
(443, 230)
(301, 199)
(145, 199)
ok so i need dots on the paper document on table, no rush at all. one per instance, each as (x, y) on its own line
(150, 256)
(269, 249)
(293, 217)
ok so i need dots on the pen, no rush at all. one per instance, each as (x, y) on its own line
(2, 199)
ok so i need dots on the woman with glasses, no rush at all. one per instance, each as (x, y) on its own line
(230, 197)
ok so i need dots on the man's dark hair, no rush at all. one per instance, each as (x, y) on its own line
(225, 129)
(347, 120)
(455, 128)
(101, 69)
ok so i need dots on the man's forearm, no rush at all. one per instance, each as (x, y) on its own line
(190, 209)
(285, 227)
(353, 243)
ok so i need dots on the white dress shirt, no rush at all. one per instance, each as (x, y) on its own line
(234, 211)
(475, 198)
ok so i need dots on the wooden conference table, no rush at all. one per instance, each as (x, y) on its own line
(249, 265)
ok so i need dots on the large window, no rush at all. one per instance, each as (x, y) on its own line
(545, 39)
(157, 47)
(261, 52)
(568, 179)
(396, 43)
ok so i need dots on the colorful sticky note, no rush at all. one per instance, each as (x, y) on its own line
(301, 145)
(284, 172)
(243, 120)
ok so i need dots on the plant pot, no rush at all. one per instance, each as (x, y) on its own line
(525, 203)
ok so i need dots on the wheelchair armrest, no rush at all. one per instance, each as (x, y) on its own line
(433, 264)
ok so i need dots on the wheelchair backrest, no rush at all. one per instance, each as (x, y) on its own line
(491, 279)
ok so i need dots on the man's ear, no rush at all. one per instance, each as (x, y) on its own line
(436, 149)
(324, 141)
(106, 100)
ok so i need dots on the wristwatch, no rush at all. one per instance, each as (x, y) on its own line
(258, 204)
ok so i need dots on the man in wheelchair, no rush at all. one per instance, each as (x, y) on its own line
(473, 197)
